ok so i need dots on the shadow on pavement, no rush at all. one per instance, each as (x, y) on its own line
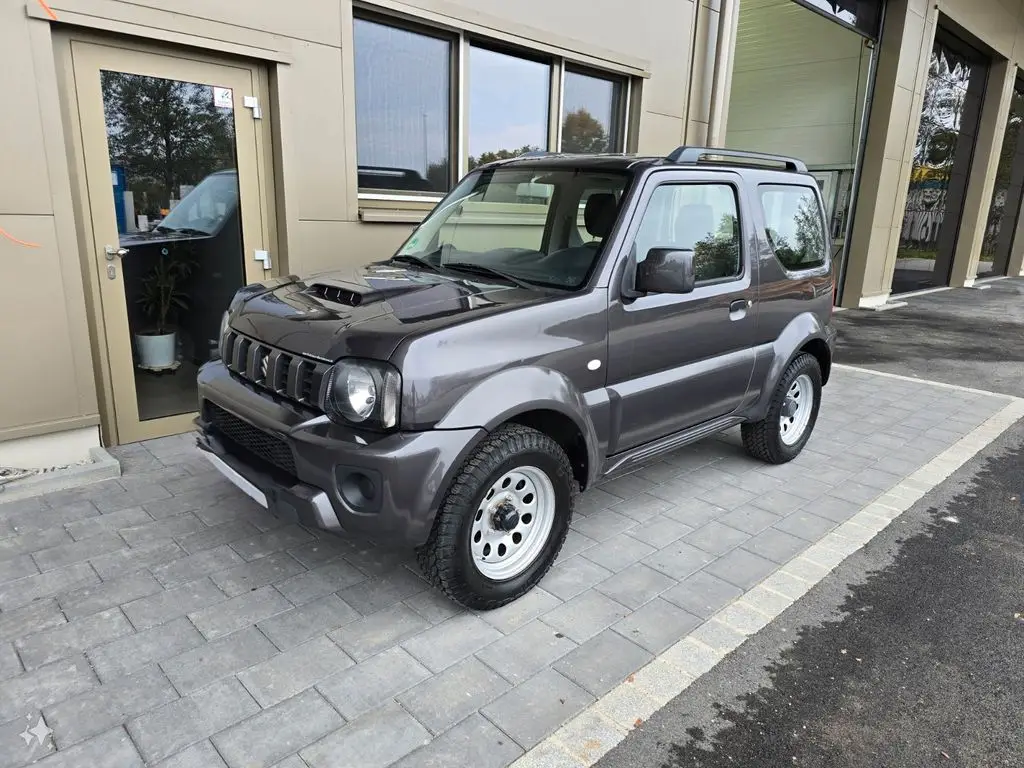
(943, 336)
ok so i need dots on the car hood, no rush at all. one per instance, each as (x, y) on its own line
(367, 311)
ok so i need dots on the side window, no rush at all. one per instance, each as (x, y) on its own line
(794, 226)
(702, 218)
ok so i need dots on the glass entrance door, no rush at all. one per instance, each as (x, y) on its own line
(171, 167)
(1007, 194)
(942, 162)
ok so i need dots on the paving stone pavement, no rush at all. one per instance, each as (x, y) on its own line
(165, 619)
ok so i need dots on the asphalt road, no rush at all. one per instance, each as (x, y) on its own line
(968, 336)
(911, 653)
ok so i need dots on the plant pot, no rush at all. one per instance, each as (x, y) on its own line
(157, 351)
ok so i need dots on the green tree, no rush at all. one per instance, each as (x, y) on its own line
(501, 154)
(582, 133)
(165, 133)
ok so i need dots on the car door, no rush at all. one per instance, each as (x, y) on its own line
(678, 360)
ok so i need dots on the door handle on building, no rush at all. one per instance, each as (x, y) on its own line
(111, 252)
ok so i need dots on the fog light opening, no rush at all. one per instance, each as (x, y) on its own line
(359, 492)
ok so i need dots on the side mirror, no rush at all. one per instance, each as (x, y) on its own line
(666, 270)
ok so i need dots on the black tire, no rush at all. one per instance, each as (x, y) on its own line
(446, 557)
(763, 439)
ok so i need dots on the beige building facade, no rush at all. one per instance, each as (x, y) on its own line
(158, 156)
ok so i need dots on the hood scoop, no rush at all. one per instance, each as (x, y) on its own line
(371, 290)
(335, 294)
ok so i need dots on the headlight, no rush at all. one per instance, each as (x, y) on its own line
(363, 392)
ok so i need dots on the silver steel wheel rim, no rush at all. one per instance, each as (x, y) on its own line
(799, 403)
(524, 496)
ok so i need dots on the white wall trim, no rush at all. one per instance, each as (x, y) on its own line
(870, 302)
(52, 450)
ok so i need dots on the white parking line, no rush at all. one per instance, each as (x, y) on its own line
(930, 382)
(582, 741)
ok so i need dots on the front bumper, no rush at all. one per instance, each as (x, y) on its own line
(304, 468)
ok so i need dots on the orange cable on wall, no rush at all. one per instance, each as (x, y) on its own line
(48, 9)
(13, 239)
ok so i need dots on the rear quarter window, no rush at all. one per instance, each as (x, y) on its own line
(793, 224)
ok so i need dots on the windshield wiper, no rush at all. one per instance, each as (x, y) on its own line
(480, 269)
(419, 261)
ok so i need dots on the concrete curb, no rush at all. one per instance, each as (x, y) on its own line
(102, 466)
(582, 741)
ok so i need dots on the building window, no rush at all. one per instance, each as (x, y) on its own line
(702, 218)
(592, 113)
(794, 225)
(403, 93)
(509, 103)
(431, 106)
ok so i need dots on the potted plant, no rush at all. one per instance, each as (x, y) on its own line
(161, 296)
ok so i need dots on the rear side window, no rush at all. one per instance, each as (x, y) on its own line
(794, 225)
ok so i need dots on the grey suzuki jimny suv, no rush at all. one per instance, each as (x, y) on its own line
(556, 320)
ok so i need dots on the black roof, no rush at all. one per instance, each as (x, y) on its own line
(682, 156)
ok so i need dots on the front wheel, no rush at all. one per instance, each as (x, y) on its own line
(503, 521)
(792, 413)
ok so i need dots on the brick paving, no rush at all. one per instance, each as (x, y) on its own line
(164, 619)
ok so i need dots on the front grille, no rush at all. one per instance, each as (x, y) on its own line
(290, 376)
(251, 439)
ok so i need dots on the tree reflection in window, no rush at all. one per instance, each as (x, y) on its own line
(165, 135)
(794, 226)
(717, 256)
(1006, 193)
(683, 217)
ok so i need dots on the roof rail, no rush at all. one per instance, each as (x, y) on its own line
(693, 155)
(535, 153)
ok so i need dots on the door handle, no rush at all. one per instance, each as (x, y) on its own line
(111, 252)
(738, 308)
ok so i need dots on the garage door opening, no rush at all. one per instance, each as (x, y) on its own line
(801, 87)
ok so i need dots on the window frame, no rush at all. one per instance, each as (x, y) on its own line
(454, 69)
(505, 49)
(459, 75)
(826, 262)
(620, 114)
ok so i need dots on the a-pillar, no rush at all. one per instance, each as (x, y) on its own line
(978, 200)
(904, 55)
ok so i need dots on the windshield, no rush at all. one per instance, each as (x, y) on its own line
(204, 209)
(539, 227)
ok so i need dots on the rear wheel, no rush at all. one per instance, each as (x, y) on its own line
(503, 521)
(792, 413)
